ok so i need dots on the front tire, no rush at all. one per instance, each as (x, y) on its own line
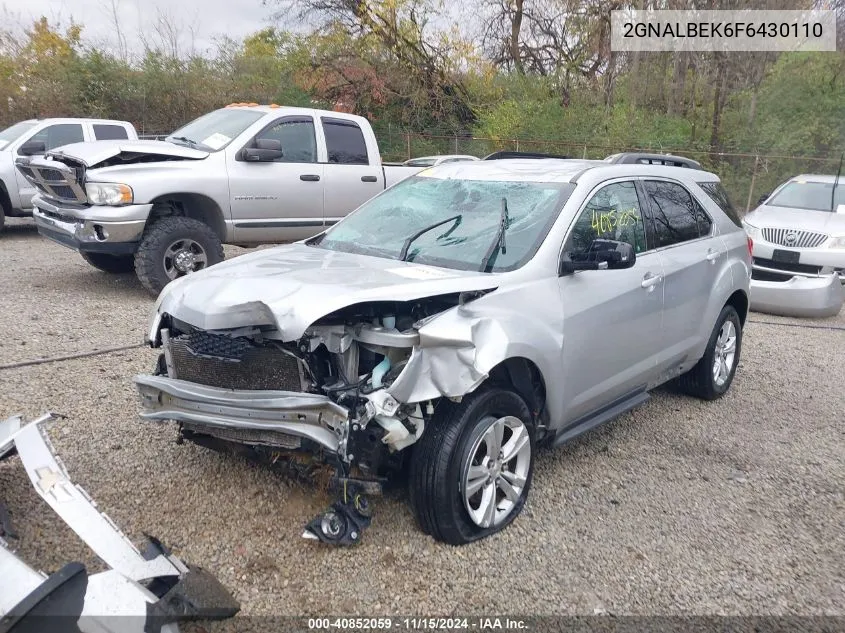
(114, 264)
(472, 468)
(712, 376)
(172, 247)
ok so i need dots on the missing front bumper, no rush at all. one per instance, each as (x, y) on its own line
(269, 418)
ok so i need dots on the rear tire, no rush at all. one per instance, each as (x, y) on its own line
(460, 467)
(114, 264)
(707, 379)
(175, 246)
(2, 218)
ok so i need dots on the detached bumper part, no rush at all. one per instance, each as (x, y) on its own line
(813, 297)
(156, 587)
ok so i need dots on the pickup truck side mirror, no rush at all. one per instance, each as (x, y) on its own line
(265, 150)
(601, 255)
(763, 198)
(32, 148)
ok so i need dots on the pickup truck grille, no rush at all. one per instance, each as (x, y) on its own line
(793, 238)
(233, 363)
(53, 179)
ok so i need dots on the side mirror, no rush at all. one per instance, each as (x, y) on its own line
(265, 150)
(601, 255)
(32, 148)
(763, 198)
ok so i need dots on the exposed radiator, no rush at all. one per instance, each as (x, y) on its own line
(233, 363)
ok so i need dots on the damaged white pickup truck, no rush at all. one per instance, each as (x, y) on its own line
(453, 323)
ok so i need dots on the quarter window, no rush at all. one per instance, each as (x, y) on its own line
(719, 195)
(612, 213)
(678, 217)
(296, 134)
(345, 142)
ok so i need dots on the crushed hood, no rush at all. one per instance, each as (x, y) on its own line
(292, 286)
(801, 219)
(95, 152)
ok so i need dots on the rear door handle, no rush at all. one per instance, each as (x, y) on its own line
(712, 255)
(369, 179)
(651, 280)
(309, 177)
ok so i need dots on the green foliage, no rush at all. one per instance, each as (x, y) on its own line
(776, 107)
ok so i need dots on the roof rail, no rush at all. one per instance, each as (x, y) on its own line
(506, 154)
(630, 158)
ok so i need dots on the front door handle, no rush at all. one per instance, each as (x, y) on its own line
(369, 179)
(712, 255)
(651, 280)
(309, 177)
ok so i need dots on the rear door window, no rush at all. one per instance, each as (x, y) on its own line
(105, 132)
(345, 142)
(676, 216)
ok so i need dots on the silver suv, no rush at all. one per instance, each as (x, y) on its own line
(469, 314)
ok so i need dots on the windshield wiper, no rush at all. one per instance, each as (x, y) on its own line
(499, 244)
(455, 218)
(184, 139)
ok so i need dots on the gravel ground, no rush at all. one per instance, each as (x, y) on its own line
(681, 507)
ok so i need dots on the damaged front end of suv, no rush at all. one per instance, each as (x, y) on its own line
(341, 353)
(350, 390)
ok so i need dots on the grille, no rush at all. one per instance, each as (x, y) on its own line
(794, 268)
(63, 191)
(51, 175)
(795, 239)
(233, 363)
(57, 184)
(247, 436)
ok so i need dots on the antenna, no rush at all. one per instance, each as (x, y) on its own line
(835, 183)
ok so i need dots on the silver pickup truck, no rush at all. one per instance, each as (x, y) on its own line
(36, 136)
(244, 174)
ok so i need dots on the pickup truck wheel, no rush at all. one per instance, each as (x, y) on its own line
(472, 468)
(711, 377)
(114, 264)
(175, 246)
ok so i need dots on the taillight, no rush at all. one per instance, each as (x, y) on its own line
(750, 245)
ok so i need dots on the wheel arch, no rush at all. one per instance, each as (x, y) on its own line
(524, 376)
(190, 205)
(739, 300)
(5, 199)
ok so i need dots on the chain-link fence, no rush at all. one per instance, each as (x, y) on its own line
(746, 175)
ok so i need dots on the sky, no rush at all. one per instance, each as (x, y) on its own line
(197, 22)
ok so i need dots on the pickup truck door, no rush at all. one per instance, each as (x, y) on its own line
(353, 172)
(52, 136)
(281, 200)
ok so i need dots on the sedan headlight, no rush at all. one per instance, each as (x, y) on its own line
(753, 231)
(108, 193)
(838, 241)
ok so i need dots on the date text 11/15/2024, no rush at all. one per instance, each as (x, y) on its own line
(417, 624)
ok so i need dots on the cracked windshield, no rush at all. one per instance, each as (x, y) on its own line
(462, 224)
